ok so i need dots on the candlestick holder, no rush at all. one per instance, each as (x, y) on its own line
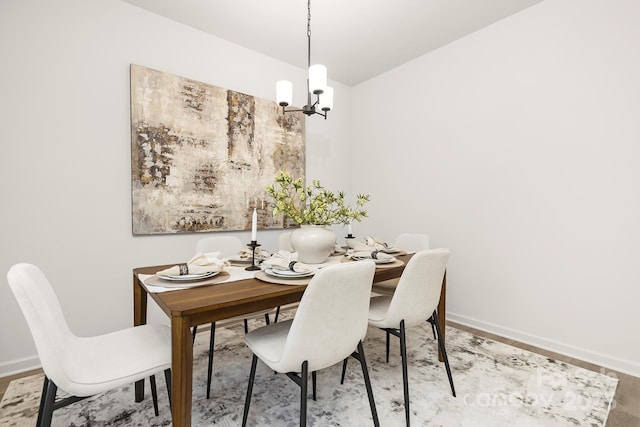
(253, 245)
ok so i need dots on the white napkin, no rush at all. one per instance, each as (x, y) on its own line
(359, 246)
(370, 255)
(201, 263)
(261, 254)
(284, 260)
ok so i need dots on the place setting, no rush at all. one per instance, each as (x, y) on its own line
(203, 269)
(284, 268)
(373, 249)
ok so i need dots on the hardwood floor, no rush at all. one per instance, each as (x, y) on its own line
(625, 410)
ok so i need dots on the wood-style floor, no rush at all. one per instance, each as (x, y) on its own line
(625, 410)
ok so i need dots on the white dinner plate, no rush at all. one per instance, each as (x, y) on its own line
(287, 273)
(189, 277)
(377, 261)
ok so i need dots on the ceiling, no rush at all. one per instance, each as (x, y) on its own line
(355, 39)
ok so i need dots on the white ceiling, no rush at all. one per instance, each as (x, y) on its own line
(355, 39)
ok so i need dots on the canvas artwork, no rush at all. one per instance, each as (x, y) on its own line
(201, 155)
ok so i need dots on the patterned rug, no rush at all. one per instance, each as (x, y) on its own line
(497, 385)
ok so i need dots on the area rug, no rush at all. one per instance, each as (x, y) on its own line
(496, 384)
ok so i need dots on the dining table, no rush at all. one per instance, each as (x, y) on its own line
(200, 305)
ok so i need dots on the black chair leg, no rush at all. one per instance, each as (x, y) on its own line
(266, 319)
(277, 315)
(367, 382)
(46, 404)
(303, 393)
(210, 367)
(247, 400)
(387, 345)
(405, 374)
(45, 385)
(167, 379)
(154, 394)
(246, 326)
(344, 369)
(313, 384)
(193, 334)
(444, 352)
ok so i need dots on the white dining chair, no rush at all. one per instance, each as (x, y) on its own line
(284, 242)
(410, 242)
(414, 301)
(227, 246)
(84, 366)
(329, 325)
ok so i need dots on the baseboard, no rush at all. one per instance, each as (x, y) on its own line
(18, 366)
(603, 360)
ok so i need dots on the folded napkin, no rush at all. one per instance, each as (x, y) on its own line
(374, 241)
(359, 246)
(370, 255)
(284, 260)
(201, 263)
(261, 254)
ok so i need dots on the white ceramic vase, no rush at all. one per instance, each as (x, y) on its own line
(313, 243)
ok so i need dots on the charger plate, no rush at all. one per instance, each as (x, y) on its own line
(157, 281)
(298, 281)
(396, 263)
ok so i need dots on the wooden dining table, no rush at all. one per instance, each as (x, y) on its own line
(195, 306)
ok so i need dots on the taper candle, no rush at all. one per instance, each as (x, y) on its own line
(254, 226)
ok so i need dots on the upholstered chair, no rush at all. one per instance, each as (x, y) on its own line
(329, 325)
(414, 301)
(84, 366)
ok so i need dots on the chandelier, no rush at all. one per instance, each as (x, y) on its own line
(316, 84)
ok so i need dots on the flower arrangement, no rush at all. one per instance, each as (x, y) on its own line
(313, 204)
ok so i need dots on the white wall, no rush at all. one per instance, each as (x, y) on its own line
(517, 147)
(65, 164)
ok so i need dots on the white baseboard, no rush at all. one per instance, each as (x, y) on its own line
(17, 366)
(603, 360)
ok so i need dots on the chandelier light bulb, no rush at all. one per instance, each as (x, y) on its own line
(317, 79)
(284, 93)
(326, 99)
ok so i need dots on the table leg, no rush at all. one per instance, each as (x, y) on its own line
(442, 313)
(139, 318)
(181, 371)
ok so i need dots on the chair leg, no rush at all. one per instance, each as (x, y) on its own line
(405, 374)
(444, 352)
(344, 369)
(167, 379)
(266, 319)
(48, 398)
(154, 394)
(313, 384)
(367, 382)
(193, 334)
(433, 330)
(246, 326)
(45, 385)
(277, 315)
(210, 366)
(387, 345)
(303, 393)
(247, 400)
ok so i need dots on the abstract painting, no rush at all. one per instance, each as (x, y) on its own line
(201, 155)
